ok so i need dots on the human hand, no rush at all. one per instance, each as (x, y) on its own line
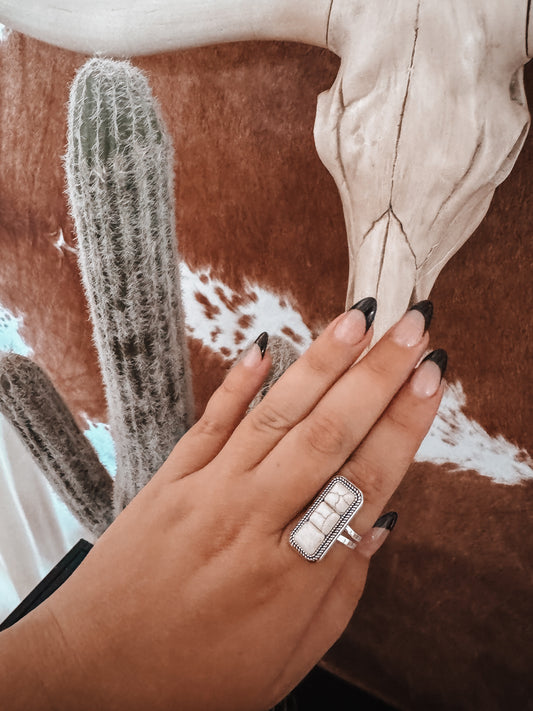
(193, 598)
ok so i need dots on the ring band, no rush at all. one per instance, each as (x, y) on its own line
(326, 520)
(347, 541)
(352, 533)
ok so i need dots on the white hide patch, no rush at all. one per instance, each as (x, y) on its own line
(10, 338)
(228, 322)
(463, 444)
(4, 32)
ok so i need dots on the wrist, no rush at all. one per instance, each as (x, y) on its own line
(37, 672)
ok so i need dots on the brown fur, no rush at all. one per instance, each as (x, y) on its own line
(446, 619)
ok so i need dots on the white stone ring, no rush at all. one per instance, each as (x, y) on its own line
(327, 520)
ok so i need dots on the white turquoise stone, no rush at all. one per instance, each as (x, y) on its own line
(309, 538)
(324, 518)
(340, 497)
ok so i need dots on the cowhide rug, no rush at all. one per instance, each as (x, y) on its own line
(446, 620)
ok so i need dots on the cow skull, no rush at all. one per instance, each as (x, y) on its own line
(426, 116)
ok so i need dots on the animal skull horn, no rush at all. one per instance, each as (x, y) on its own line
(426, 116)
(134, 27)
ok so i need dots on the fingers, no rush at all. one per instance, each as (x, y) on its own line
(223, 412)
(319, 445)
(302, 385)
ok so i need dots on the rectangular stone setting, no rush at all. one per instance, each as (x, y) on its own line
(328, 515)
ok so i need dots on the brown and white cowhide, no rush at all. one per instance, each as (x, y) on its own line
(446, 620)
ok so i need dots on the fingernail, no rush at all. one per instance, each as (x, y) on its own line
(378, 534)
(427, 377)
(368, 306)
(262, 342)
(426, 309)
(356, 321)
(257, 352)
(440, 357)
(388, 521)
(409, 329)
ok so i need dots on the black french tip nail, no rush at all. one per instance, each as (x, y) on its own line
(368, 306)
(387, 521)
(262, 342)
(440, 357)
(426, 309)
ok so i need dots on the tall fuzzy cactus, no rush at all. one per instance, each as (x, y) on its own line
(31, 403)
(120, 184)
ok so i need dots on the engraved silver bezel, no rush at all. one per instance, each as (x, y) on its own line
(339, 527)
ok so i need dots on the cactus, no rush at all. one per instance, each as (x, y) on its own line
(120, 183)
(30, 402)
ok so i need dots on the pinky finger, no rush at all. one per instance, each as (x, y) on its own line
(225, 409)
(372, 541)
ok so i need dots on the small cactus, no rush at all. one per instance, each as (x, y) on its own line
(29, 400)
(120, 185)
(283, 355)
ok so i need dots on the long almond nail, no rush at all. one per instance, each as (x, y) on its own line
(427, 377)
(262, 342)
(409, 329)
(378, 534)
(369, 307)
(256, 352)
(426, 309)
(351, 327)
(440, 357)
(388, 521)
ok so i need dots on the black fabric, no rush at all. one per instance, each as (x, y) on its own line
(55, 578)
(321, 691)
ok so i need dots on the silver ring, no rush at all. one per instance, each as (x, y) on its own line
(349, 530)
(326, 520)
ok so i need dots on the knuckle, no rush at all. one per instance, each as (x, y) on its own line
(325, 434)
(267, 418)
(378, 368)
(372, 480)
(316, 362)
(400, 422)
(207, 426)
(229, 386)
